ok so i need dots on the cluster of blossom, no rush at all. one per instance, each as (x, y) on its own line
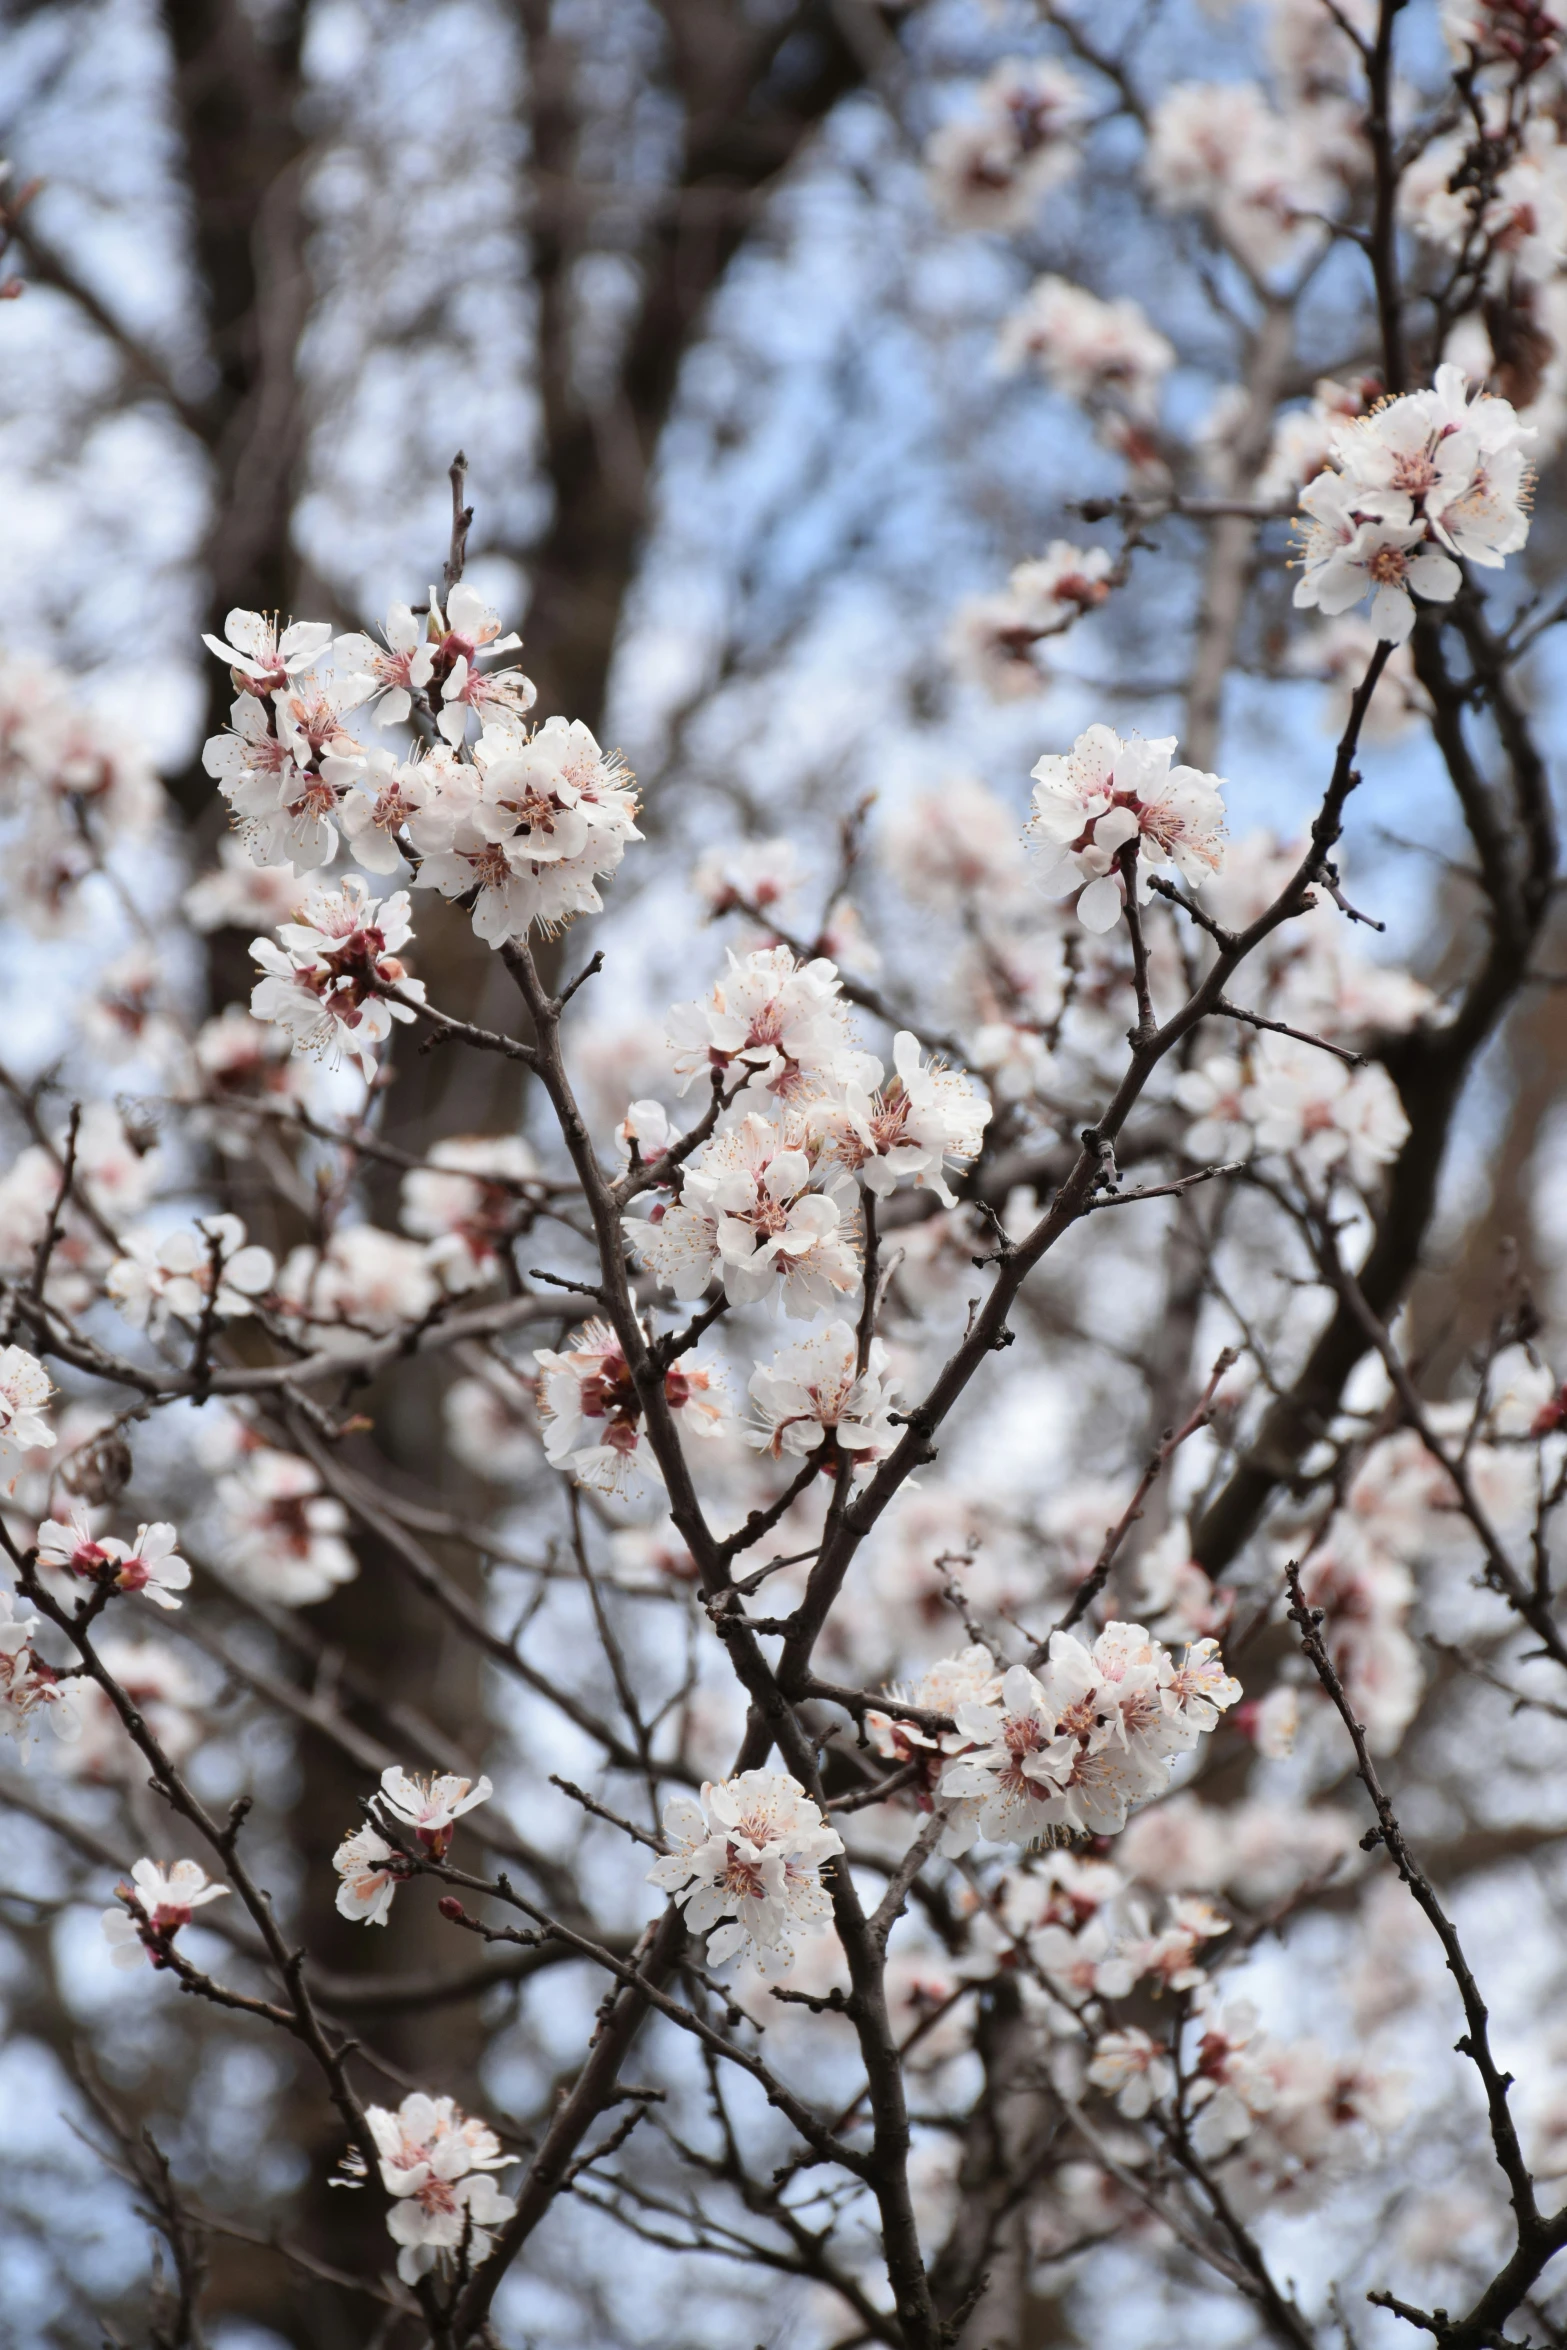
(591, 1414)
(70, 1554)
(210, 1270)
(520, 823)
(155, 1905)
(817, 1388)
(1295, 1099)
(1267, 179)
(996, 639)
(30, 1690)
(427, 1810)
(279, 1534)
(1104, 799)
(991, 169)
(1285, 2120)
(1401, 1509)
(1509, 215)
(1073, 1748)
(76, 784)
(25, 1388)
(435, 2163)
(767, 1204)
(1107, 357)
(745, 1866)
(326, 979)
(113, 1171)
(1419, 481)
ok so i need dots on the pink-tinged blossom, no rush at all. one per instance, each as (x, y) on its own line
(372, 819)
(466, 1204)
(1345, 557)
(264, 658)
(924, 1119)
(1263, 179)
(282, 1536)
(1455, 462)
(174, 1275)
(364, 1283)
(400, 668)
(1084, 1742)
(644, 1134)
(30, 1690)
(432, 1806)
(1093, 352)
(1130, 2067)
(750, 1211)
(971, 1677)
(1092, 801)
(591, 1414)
(1427, 472)
(371, 1871)
(324, 978)
(468, 633)
(1328, 1117)
(995, 639)
(25, 1388)
(745, 1866)
(991, 169)
(816, 1388)
(778, 1026)
(746, 875)
(151, 1564)
(1233, 2087)
(435, 2163)
(533, 824)
(168, 1899)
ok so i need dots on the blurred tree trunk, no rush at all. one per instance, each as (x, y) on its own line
(236, 90)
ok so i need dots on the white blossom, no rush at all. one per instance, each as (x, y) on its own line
(324, 977)
(173, 1275)
(991, 170)
(151, 1564)
(995, 639)
(264, 657)
(30, 1690)
(1090, 351)
(911, 1129)
(401, 668)
(745, 1866)
(534, 823)
(466, 1204)
(371, 1870)
(591, 1414)
(1326, 1115)
(282, 1536)
(1092, 801)
(780, 1025)
(1081, 1744)
(431, 1807)
(168, 1898)
(435, 2163)
(815, 1387)
(1130, 2067)
(751, 1211)
(25, 1388)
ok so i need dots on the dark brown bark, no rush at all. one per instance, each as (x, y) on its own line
(235, 93)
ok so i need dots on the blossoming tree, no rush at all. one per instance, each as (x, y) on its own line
(973, 1608)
